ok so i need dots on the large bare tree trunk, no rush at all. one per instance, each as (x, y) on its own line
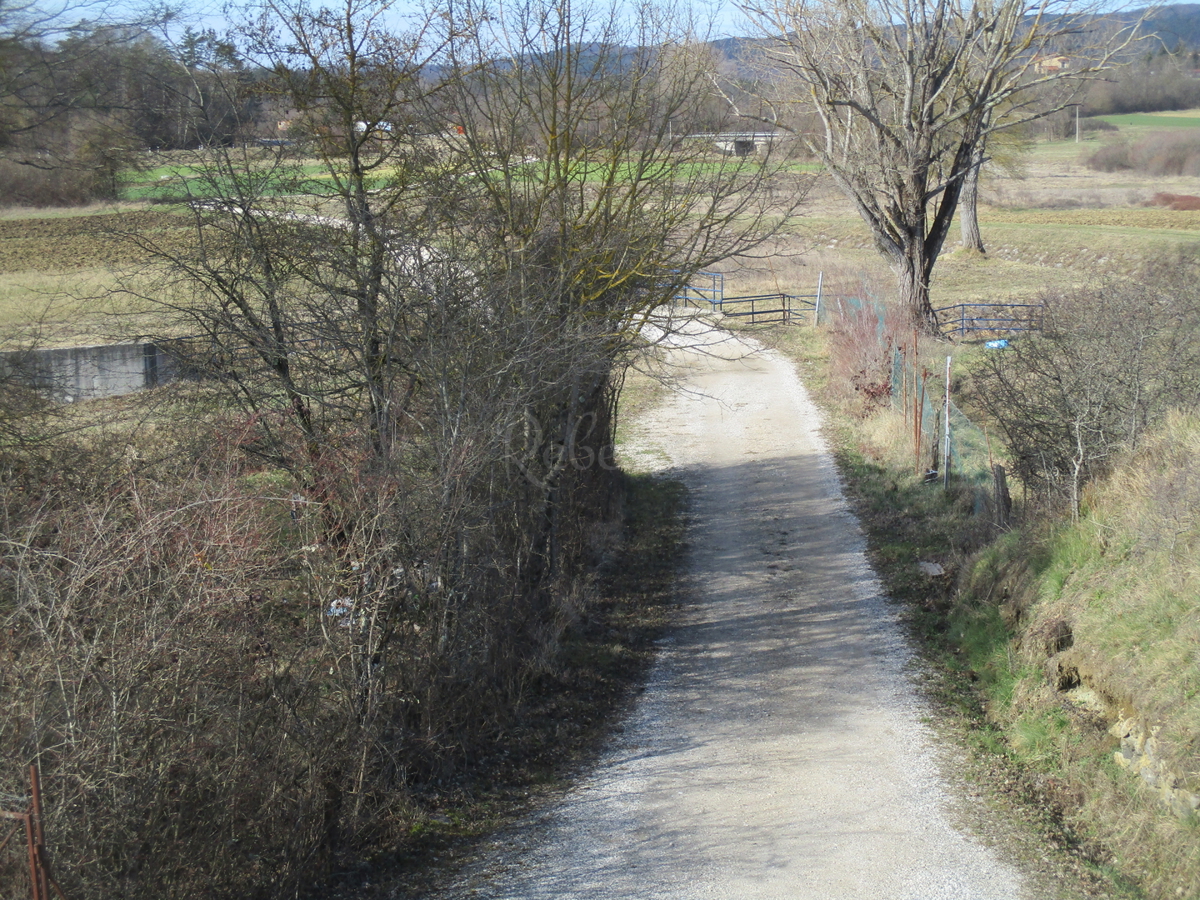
(968, 204)
(913, 270)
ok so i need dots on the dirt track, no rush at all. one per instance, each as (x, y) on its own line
(778, 750)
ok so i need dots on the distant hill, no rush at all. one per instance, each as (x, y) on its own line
(1176, 24)
(1172, 25)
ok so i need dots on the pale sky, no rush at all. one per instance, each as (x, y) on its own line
(726, 18)
(212, 13)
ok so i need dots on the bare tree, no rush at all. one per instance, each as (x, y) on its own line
(86, 85)
(587, 211)
(905, 91)
(412, 316)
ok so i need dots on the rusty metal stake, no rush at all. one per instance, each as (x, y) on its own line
(34, 881)
(35, 789)
(40, 877)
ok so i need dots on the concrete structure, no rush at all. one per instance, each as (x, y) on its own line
(744, 143)
(88, 373)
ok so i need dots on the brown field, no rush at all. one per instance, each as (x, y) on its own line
(58, 270)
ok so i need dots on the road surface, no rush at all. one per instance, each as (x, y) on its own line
(778, 750)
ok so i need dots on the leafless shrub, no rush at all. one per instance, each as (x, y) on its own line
(226, 694)
(1094, 125)
(862, 344)
(1160, 153)
(1111, 158)
(1110, 362)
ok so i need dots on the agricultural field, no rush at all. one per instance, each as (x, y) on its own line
(1059, 224)
(60, 272)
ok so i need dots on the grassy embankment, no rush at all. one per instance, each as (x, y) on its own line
(1069, 649)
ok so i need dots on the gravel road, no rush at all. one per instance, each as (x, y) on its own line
(778, 750)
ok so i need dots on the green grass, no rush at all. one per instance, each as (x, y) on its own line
(1128, 588)
(201, 179)
(1151, 121)
(174, 183)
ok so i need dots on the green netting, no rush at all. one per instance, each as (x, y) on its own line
(969, 449)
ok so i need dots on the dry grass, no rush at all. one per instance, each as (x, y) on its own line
(1149, 513)
(1124, 585)
(59, 270)
(61, 309)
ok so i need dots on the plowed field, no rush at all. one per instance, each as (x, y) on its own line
(69, 243)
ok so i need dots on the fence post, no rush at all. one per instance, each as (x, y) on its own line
(946, 449)
(35, 789)
(919, 418)
(817, 305)
(1003, 500)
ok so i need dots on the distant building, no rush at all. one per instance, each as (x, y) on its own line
(1048, 65)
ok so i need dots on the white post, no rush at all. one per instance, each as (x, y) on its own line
(817, 308)
(946, 436)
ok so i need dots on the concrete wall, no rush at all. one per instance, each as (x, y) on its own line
(87, 373)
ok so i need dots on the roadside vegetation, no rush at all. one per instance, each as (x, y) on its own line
(370, 580)
(314, 606)
(1065, 636)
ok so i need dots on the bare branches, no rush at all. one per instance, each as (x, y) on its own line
(1111, 361)
(906, 89)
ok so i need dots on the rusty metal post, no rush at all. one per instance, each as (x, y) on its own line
(35, 789)
(31, 844)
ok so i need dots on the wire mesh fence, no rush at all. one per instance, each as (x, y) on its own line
(947, 447)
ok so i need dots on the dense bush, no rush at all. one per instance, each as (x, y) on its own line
(1160, 153)
(224, 695)
(57, 185)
